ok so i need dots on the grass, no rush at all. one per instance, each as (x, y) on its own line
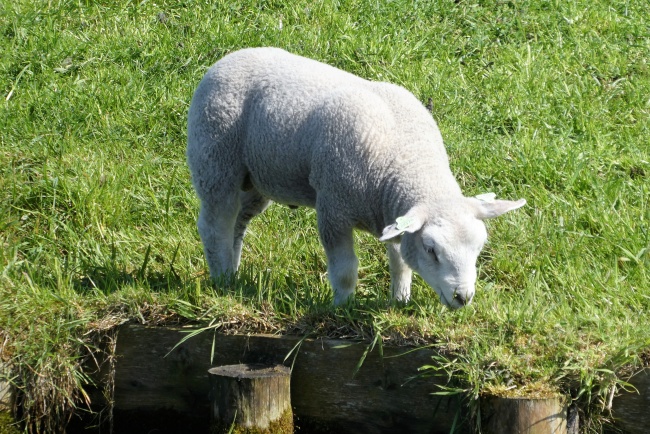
(543, 100)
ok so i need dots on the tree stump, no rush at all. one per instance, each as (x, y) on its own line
(6, 390)
(250, 399)
(523, 416)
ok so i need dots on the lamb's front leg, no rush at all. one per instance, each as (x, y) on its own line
(342, 262)
(400, 274)
(342, 268)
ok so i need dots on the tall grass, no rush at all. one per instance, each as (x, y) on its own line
(541, 99)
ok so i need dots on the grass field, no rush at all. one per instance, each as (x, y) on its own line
(545, 100)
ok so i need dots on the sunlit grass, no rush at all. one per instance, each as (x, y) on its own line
(542, 100)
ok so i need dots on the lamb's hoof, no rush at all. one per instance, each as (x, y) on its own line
(344, 300)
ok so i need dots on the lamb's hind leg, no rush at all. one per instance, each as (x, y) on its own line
(252, 203)
(217, 227)
(342, 264)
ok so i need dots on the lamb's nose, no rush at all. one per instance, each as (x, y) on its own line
(463, 297)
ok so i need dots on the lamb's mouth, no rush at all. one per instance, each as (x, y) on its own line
(445, 300)
(454, 304)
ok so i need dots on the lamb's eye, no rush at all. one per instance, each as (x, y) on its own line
(431, 251)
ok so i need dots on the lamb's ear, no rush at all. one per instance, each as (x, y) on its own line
(409, 222)
(488, 207)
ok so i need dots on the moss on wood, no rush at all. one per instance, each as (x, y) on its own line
(7, 424)
(283, 425)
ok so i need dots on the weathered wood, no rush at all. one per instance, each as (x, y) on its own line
(573, 419)
(326, 395)
(250, 398)
(5, 396)
(631, 410)
(523, 416)
(6, 390)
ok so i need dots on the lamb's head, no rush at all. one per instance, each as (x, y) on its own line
(442, 242)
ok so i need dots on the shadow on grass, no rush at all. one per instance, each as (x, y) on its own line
(109, 279)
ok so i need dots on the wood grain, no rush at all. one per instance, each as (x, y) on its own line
(6, 392)
(250, 398)
(524, 416)
(631, 410)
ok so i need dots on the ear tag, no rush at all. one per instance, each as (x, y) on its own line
(486, 197)
(402, 223)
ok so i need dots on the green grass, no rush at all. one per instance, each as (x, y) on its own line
(543, 100)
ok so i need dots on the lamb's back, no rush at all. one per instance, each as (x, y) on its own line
(270, 111)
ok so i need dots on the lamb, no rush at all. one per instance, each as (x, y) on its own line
(266, 125)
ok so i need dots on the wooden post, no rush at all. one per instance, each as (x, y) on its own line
(6, 392)
(251, 399)
(523, 416)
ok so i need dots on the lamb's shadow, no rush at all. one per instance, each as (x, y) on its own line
(108, 278)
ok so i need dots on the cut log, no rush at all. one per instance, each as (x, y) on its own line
(251, 399)
(523, 416)
(6, 390)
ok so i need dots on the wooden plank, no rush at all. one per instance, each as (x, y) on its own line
(326, 396)
(631, 410)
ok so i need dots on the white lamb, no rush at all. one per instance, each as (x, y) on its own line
(268, 125)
